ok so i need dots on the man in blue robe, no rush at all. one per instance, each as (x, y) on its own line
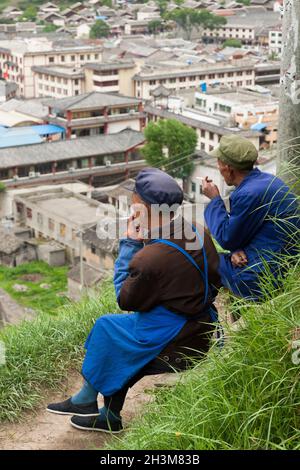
(169, 283)
(262, 224)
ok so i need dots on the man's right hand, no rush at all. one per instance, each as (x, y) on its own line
(133, 230)
(239, 259)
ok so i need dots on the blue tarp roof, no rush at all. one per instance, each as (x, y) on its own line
(47, 129)
(259, 126)
(16, 139)
(16, 136)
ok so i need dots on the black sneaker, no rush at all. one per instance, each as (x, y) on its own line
(97, 424)
(68, 408)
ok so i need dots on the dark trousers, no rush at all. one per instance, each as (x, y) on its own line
(116, 401)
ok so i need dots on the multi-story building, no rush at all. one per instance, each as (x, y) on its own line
(19, 56)
(208, 134)
(244, 24)
(111, 77)
(244, 109)
(177, 77)
(89, 159)
(58, 215)
(96, 113)
(275, 41)
(58, 81)
(267, 73)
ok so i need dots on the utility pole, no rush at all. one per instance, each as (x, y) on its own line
(288, 163)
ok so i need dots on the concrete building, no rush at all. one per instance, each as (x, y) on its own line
(209, 134)
(18, 56)
(267, 73)
(245, 24)
(178, 76)
(89, 159)
(8, 90)
(58, 81)
(7, 196)
(59, 215)
(275, 41)
(96, 113)
(114, 76)
(244, 109)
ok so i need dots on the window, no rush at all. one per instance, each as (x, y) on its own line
(82, 57)
(72, 58)
(62, 58)
(93, 249)
(51, 225)
(96, 56)
(193, 187)
(62, 230)
(152, 82)
(51, 60)
(28, 213)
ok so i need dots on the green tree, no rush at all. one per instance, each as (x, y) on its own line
(50, 28)
(2, 187)
(232, 43)
(169, 147)
(100, 29)
(244, 2)
(189, 19)
(30, 14)
(162, 5)
(107, 3)
(155, 26)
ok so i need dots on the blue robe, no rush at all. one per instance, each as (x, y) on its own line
(263, 221)
(119, 345)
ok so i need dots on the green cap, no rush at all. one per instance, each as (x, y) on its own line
(236, 151)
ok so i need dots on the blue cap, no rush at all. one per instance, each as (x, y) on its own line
(157, 187)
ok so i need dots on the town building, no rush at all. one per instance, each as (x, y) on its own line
(59, 215)
(245, 24)
(58, 81)
(244, 109)
(113, 76)
(8, 90)
(19, 56)
(275, 41)
(96, 113)
(177, 77)
(99, 159)
(209, 134)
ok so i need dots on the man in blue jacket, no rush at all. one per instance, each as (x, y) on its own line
(262, 224)
(168, 286)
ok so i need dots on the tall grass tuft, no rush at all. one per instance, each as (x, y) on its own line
(40, 353)
(245, 397)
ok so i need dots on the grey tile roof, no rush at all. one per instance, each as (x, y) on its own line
(70, 149)
(90, 101)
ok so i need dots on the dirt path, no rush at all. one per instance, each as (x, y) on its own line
(46, 431)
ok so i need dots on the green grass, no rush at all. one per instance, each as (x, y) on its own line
(246, 397)
(40, 353)
(37, 298)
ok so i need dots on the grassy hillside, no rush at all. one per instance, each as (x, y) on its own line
(36, 276)
(246, 397)
(40, 353)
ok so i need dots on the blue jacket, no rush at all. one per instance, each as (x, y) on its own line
(263, 221)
